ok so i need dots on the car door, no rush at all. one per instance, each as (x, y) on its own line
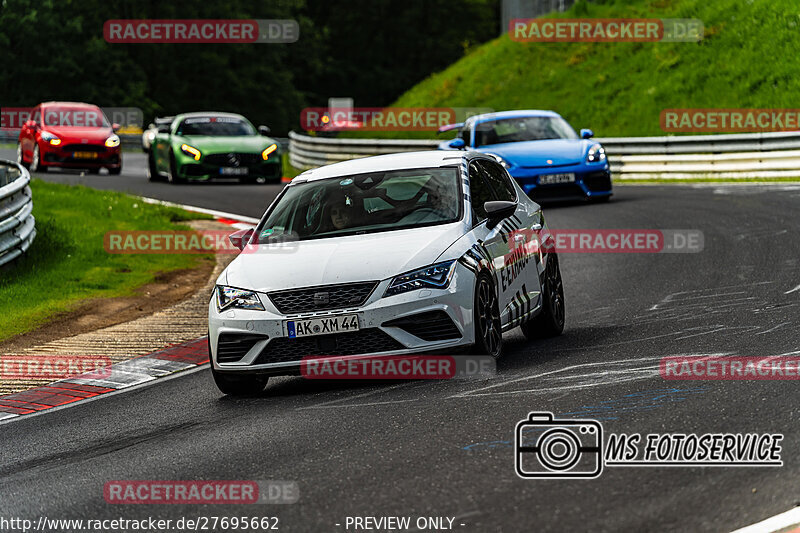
(161, 147)
(27, 136)
(518, 269)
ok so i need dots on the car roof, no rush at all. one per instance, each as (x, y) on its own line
(517, 113)
(379, 163)
(71, 104)
(208, 114)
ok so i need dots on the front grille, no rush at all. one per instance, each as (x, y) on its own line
(322, 298)
(83, 148)
(364, 342)
(233, 159)
(430, 326)
(597, 181)
(231, 347)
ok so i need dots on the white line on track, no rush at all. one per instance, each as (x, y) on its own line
(212, 212)
(775, 523)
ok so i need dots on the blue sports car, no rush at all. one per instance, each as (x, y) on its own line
(541, 151)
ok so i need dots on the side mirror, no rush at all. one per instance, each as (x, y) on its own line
(457, 143)
(240, 238)
(586, 134)
(115, 127)
(498, 210)
(263, 130)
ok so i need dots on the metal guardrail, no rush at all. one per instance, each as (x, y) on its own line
(17, 225)
(745, 155)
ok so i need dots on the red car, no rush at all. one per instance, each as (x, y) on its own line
(69, 135)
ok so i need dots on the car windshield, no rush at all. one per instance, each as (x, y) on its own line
(216, 126)
(365, 203)
(74, 116)
(518, 129)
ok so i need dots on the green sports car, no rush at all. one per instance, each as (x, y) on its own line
(205, 146)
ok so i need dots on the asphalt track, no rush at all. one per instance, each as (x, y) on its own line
(444, 448)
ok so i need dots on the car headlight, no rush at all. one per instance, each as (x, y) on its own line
(112, 141)
(596, 154)
(271, 148)
(436, 276)
(191, 151)
(500, 160)
(50, 138)
(230, 297)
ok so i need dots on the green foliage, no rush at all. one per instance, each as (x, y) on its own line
(371, 50)
(748, 59)
(67, 261)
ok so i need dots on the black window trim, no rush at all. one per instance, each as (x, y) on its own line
(506, 175)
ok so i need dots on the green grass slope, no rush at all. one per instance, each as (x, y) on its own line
(749, 58)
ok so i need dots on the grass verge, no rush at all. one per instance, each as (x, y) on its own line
(67, 263)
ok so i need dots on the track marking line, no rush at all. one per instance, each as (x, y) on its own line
(212, 212)
(774, 523)
(792, 290)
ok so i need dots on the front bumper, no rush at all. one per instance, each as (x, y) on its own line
(591, 182)
(266, 349)
(80, 156)
(270, 170)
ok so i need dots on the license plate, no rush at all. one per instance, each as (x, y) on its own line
(234, 171)
(321, 326)
(549, 179)
(84, 155)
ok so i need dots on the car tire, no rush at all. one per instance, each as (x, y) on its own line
(20, 159)
(486, 318)
(172, 177)
(152, 170)
(36, 161)
(550, 321)
(239, 385)
(115, 171)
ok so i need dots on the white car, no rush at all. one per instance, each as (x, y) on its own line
(412, 253)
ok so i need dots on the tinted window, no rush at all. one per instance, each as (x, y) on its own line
(366, 203)
(499, 181)
(74, 116)
(215, 126)
(521, 129)
(479, 192)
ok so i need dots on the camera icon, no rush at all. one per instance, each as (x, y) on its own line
(546, 448)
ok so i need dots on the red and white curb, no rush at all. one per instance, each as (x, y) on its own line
(119, 376)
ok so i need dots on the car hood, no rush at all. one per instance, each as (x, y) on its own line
(535, 154)
(72, 134)
(208, 144)
(335, 260)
